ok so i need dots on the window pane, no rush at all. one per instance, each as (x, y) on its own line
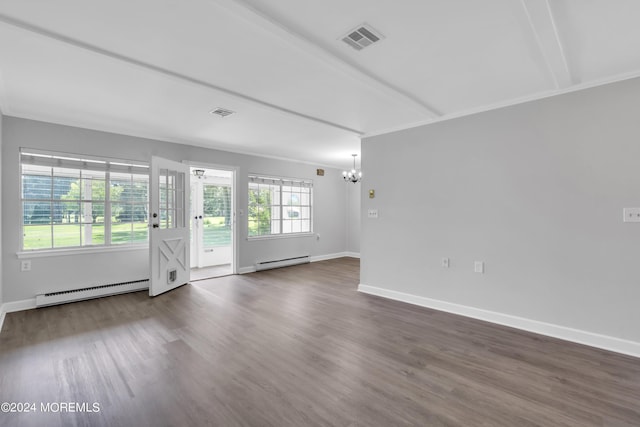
(253, 227)
(264, 219)
(287, 208)
(275, 212)
(70, 212)
(66, 206)
(36, 237)
(92, 187)
(139, 191)
(38, 213)
(140, 232)
(92, 213)
(119, 187)
(274, 193)
(66, 235)
(286, 198)
(66, 188)
(305, 200)
(291, 212)
(121, 233)
(305, 213)
(36, 187)
(92, 234)
(295, 198)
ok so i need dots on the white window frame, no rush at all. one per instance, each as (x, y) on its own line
(287, 182)
(78, 162)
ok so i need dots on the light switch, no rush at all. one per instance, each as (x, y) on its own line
(479, 267)
(631, 214)
(372, 213)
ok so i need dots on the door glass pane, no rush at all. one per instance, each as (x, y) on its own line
(178, 199)
(192, 210)
(217, 215)
(172, 210)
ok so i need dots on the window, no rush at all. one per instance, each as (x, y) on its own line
(77, 202)
(279, 206)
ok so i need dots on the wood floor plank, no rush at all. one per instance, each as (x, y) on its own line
(299, 346)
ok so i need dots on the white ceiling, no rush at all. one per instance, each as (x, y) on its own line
(155, 68)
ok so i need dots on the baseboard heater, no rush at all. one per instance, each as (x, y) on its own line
(285, 262)
(63, 297)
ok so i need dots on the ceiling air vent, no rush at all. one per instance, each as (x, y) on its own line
(222, 112)
(362, 36)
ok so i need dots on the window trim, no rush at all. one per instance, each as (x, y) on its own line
(282, 181)
(282, 236)
(79, 162)
(79, 250)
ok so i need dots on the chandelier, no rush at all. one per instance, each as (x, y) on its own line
(352, 175)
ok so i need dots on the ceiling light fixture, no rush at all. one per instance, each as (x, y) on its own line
(353, 175)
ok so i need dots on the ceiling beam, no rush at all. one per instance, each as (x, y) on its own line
(25, 26)
(545, 32)
(308, 47)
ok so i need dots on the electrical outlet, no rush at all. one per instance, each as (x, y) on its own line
(445, 262)
(631, 214)
(25, 265)
(479, 267)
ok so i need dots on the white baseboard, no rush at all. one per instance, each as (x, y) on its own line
(326, 257)
(352, 254)
(605, 342)
(246, 270)
(25, 304)
(10, 307)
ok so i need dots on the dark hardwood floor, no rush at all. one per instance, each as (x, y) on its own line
(300, 347)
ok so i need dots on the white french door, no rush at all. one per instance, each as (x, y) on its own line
(212, 219)
(169, 225)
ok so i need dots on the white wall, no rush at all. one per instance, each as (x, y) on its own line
(1, 245)
(353, 217)
(63, 272)
(536, 191)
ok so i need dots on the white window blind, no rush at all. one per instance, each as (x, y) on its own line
(77, 201)
(279, 206)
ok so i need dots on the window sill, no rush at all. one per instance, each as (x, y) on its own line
(79, 251)
(280, 236)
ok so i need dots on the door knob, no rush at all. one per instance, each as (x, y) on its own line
(156, 225)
